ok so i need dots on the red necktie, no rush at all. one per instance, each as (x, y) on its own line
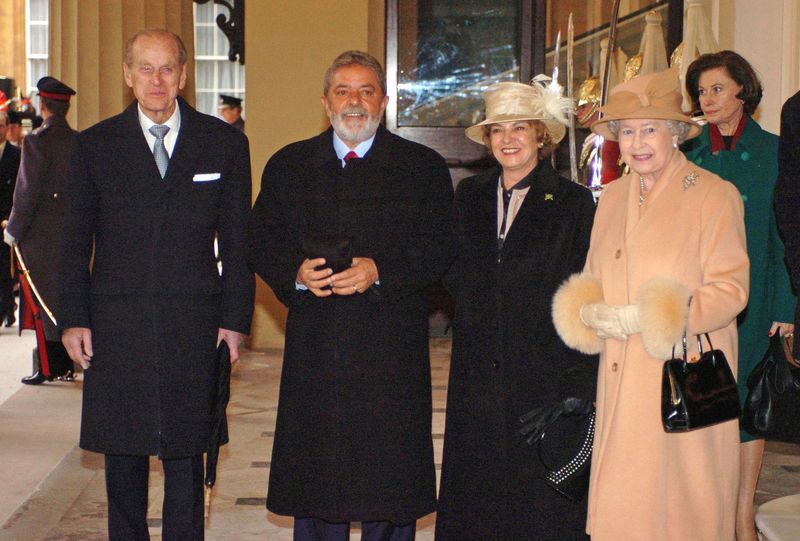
(349, 156)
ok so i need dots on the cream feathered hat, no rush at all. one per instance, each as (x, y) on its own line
(510, 102)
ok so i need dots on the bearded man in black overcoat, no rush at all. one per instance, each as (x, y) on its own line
(353, 434)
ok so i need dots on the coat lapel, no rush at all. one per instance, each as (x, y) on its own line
(482, 223)
(142, 164)
(186, 148)
(542, 197)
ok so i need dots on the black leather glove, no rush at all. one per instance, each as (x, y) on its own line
(535, 422)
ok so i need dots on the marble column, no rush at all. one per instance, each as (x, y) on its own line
(87, 41)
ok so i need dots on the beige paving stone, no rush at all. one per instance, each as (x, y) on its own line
(64, 500)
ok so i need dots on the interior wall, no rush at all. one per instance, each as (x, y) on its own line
(289, 45)
(87, 40)
(12, 41)
(766, 34)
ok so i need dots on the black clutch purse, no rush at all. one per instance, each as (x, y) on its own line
(700, 393)
(564, 436)
(772, 408)
(337, 251)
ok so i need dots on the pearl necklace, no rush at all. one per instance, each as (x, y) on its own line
(642, 191)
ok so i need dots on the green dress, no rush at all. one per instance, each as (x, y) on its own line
(753, 168)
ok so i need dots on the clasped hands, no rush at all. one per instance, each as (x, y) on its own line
(357, 279)
(611, 321)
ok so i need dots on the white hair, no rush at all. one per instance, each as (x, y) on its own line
(676, 127)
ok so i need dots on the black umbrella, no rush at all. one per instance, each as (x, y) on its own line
(219, 422)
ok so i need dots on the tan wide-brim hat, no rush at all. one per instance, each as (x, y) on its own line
(655, 95)
(512, 102)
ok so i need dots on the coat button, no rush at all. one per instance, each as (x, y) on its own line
(618, 254)
(745, 156)
(698, 160)
(614, 367)
(495, 364)
(55, 195)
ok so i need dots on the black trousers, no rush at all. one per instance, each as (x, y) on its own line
(126, 486)
(316, 529)
(6, 281)
(57, 356)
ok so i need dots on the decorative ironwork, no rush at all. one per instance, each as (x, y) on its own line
(232, 27)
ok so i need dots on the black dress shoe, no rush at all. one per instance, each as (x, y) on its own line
(10, 319)
(36, 378)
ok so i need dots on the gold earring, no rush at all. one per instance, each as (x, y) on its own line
(540, 144)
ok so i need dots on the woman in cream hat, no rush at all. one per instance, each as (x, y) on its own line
(522, 231)
(668, 254)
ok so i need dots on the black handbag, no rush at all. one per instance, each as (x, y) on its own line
(700, 393)
(772, 408)
(570, 426)
(337, 251)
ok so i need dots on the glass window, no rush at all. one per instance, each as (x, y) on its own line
(36, 41)
(214, 73)
(448, 53)
(441, 55)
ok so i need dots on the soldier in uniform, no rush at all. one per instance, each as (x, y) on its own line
(230, 107)
(37, 215)
(9, 165)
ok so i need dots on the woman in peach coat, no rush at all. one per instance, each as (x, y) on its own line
(667, 253)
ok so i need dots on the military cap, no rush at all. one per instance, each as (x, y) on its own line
(229, 101)
(52, 88)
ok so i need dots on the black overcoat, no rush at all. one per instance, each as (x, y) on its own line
(154, 299)
(353, 433)
(787, 194)
(37, 216)
(9, 167)
(508, 359)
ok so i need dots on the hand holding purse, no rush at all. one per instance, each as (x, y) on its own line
(573, 420)
(337, 251)
(772, 408)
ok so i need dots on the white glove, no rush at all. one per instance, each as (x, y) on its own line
(7, 238)
(611, 321)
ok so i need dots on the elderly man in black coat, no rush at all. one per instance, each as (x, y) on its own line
(787, 194)
(353, 434)
(151, 189)
(37, 217)
(9, 165)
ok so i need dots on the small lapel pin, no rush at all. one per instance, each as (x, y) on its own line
(548, 197)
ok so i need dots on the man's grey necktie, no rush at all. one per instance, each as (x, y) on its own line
(159, 150)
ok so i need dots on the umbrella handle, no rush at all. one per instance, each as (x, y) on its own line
(207, 503)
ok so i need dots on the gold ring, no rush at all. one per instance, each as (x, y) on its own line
(355, 288)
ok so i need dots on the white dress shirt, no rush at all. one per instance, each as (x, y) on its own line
(174, 123)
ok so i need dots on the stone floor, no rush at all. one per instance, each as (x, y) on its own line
(53, 491)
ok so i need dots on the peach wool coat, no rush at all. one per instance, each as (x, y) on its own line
(686, 241)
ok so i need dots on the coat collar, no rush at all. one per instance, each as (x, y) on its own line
(749, 139)
(322, 153)
(664, 191)
(543, 197)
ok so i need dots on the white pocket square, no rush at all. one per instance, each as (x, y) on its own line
(205, 177)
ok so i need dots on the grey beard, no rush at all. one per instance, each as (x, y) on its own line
(354, 136)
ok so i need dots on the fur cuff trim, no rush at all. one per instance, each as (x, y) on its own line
(663, 312)
(577, 290)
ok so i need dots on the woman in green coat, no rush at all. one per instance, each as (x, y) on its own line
(725, 87)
